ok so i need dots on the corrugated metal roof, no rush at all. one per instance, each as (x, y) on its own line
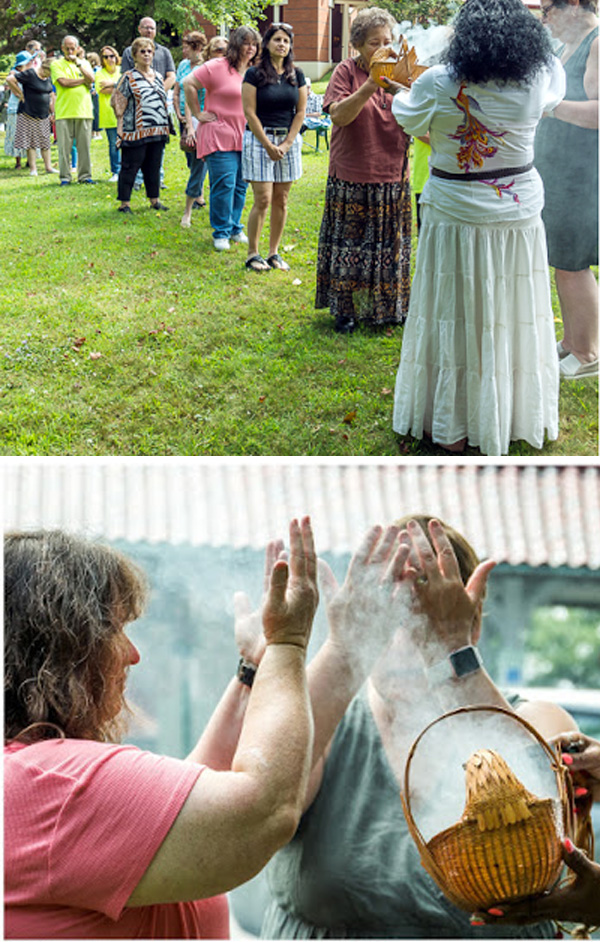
(535, 514)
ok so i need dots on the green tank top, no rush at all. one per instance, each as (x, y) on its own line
(353, 870)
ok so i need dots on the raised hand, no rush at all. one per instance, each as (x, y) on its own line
(374, 599)
(450, 606)
(248, 629)
(293, 596)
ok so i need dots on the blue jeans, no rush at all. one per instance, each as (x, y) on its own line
(197, 168)
(113, 151)
(227, 192)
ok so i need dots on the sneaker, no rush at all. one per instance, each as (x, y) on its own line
(221, 245)
(114, 178)
(89, 180)
(65, 183)
(51, 170)
(33, 173)
(240, 237)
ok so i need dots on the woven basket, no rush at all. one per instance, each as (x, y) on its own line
(400, 67)
(506, 845)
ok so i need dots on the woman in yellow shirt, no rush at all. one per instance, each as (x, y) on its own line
(106, 80)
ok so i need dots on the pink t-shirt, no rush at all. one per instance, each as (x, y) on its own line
(82, 822)
(223, 86)
(371, 148)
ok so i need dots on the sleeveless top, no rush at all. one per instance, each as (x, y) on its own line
(352, 870)
(566, 158)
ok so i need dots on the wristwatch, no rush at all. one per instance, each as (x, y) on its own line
(246, 672)
(458, 664)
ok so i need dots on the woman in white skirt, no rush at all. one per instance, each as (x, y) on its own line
(274, 98)
(478, 361)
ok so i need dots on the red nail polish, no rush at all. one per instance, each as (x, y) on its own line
(495, 911)
(581, 791)
(567, 759)
(477, 922)
(569, 846)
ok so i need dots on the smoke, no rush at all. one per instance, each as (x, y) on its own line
(437, 777)
(429, 42)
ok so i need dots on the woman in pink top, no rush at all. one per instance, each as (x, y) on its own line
(103, 840)
(363, 267)
(220, 143)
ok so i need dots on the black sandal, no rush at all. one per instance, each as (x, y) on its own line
(257, 263)
(276, 261)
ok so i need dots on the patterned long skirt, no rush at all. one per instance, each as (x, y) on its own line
(363, 267)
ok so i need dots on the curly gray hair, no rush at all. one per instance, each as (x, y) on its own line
(366, 20)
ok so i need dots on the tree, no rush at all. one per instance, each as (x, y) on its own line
(421, 11)
(564, 645)
(96, 22)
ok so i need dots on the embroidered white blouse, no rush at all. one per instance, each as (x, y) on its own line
(476, 128)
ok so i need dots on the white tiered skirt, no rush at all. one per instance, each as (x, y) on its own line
(479, 350)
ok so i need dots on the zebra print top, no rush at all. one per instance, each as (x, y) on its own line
(145, 115)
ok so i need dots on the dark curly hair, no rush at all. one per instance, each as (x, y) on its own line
(264, 68)
(497, 41)
(66, 601)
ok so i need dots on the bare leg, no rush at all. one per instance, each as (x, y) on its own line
(263, 193)
(278, 215)
(578, 295)
(186, 219)
(31, 161)
(47, 158)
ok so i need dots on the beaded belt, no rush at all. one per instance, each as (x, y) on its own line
(483, 174)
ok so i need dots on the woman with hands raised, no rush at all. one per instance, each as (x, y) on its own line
(104, 840)
(407, 619)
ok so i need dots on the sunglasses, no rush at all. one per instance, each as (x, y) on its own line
(108, 55)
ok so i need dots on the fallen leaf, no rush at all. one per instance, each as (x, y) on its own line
(170, 310)
(78, 342)
(95, 355)
(349, 417)
(296, 281)
(385, 391)
(261, 398)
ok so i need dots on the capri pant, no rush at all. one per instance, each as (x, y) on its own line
(258, 166)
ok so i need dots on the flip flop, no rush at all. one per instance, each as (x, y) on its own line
(276, 261)
(256, 263)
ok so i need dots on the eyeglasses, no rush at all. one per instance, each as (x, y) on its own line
(547, 8)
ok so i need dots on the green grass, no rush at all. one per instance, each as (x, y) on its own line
(133, 337)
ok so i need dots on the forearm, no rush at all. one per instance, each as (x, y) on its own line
(191, 100)
(582, 114)
(334, 679)
(71, 82)
(344, 112)
(275, 743)
(216, 747)
(295, 127)
(169, 81)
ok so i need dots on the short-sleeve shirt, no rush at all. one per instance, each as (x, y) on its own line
(369, 149)
(223, 86)
(475, 128)
(37, 93)
(184, 68)
(106, 115)
(162, 62)
(276, 102)
(75, 102)
(82, 822)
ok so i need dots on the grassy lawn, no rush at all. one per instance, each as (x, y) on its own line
(133, 337)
